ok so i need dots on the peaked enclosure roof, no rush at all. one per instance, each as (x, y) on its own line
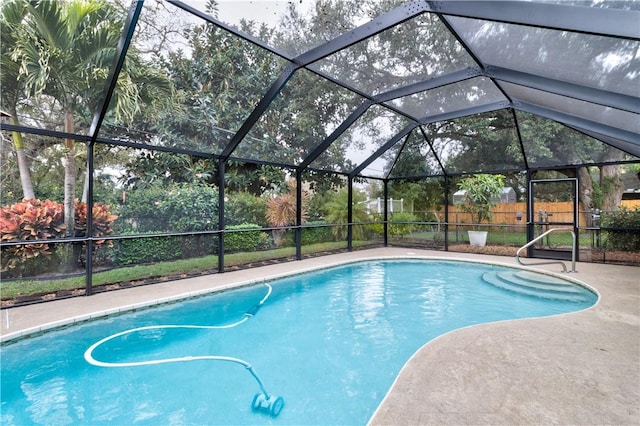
(399, 89)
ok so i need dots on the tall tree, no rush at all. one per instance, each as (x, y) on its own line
(337, 213)
(13, 12)
(65, 51)
(61, 50)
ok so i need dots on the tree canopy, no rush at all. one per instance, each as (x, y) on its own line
(301, 92)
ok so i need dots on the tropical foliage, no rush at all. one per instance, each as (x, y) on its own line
(41, 220)
(480, 194)
(337, 213)
(64, 52)
(281, 209)
(30, 220)
(243, 207)
(401, 224)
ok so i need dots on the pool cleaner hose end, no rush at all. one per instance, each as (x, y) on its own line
(270, 404)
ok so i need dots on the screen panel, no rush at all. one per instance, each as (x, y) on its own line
(549, 144)
(479, 143)
(602, 62)
(370, 132)
(597, 113)
(464, 94)
(205, 83)
(307, 110)
(413, 51)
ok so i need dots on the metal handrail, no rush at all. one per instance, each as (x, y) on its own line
(541, 236)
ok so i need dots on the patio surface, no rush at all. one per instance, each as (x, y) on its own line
(581, 368)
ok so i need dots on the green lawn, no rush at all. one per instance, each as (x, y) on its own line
(175, 268)
(498, 237)
(23, 287)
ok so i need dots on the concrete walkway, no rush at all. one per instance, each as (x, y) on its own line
(581, 368)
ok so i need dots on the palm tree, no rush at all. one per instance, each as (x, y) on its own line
(12, 88)
(337, 213)
(65, 51)
(282, 209)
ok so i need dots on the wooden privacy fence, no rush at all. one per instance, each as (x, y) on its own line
(515, 213)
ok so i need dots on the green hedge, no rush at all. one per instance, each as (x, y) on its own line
(311, 235)
(246, 241)
(243, 207)
(153, 249)
(624, 234)
(171, 208)
(144, 250)
(318, 234)
(401, 229)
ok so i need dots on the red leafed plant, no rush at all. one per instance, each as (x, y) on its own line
(102, 220)
(40, 220)
(30, 220)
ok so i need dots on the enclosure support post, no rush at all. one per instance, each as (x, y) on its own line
(350, 214)
(89, 231)
(298, 215)
(98, 116)
(530, 213)
(385, 217)
(576, 216)
(446, 213)
(221, 174)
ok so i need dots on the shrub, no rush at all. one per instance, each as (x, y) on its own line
(198, 245)
(250, 240)
(32, 219)
(29, 220)
(401, 229)
(480, 192)
(40, 220)
(376, 230)
(189, 207)
(318, 234)
(139, 212)
(624, 229)
(102, 220)
(311, 235)
(243, 207)
(174, 208)
(134, 251)
(102, 225)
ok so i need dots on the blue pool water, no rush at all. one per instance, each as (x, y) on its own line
(330, 343)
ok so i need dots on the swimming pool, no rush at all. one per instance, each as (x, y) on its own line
(330, 343)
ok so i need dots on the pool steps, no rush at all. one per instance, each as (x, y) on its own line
(539, 285)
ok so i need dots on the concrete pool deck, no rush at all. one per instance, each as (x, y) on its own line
(581, 368)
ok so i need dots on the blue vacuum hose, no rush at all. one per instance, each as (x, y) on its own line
(262, 401)
(253, 311)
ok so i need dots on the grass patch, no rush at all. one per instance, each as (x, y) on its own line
(24, 287)
(507, 238)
